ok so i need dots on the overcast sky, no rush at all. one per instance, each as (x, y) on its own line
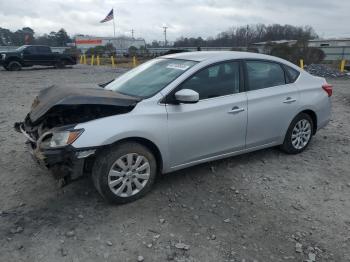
(183, 17)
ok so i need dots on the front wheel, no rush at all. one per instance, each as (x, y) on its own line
(124, 173)
(14, 66)
(299, 134)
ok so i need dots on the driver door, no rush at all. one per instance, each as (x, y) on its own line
(216, 124)
(30, 55)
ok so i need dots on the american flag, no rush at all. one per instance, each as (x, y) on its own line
(109, 17)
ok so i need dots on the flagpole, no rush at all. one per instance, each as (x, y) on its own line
(113, 23)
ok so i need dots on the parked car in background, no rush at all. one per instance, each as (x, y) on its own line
(30, 55)
(174, 112)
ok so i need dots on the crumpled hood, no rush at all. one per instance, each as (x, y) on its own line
(55, 96)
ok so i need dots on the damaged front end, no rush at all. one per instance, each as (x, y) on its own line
(50, 127)
(54, 150)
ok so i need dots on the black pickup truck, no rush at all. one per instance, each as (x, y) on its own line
(30, 55)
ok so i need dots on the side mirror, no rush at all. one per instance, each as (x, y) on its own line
(187, 96)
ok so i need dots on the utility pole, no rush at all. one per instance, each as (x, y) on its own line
(165, 28)
(132, 33)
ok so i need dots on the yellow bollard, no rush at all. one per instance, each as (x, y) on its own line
(84, 59)
(112, 60)
(98, 60)
(134, 61)
(342, 65)
(92, 60)
(81, 59)
(301, 63)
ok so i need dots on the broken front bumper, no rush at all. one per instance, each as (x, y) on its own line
(65, 162)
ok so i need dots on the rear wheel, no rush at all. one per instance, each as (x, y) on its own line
(299, 134)
(124, 173)
(14, 66)
(60, 64)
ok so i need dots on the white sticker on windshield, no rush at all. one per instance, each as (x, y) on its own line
(178, 66)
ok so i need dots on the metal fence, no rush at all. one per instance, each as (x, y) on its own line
(336, 53)
(333, 53)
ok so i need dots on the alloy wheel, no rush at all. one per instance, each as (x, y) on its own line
(301, 134)
(129, 174)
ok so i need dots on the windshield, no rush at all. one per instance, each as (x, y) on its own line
(151, 77)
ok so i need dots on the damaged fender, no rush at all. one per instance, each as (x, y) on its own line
(61, 108)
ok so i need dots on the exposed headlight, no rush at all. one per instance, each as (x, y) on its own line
(3, 56)
(62, 138)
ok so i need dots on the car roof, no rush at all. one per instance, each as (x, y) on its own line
(201, 56)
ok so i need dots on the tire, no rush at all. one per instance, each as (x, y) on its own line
(299, 134)
(108, 176)
(14, 66)
(60, 64)
(6, 68)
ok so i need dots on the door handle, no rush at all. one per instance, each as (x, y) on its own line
(235, 110)
(289, 100)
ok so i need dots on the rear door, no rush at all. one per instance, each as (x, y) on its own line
(216, 124)
(272, 102)
(45, 55)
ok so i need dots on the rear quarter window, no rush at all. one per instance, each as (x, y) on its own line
(292, 74)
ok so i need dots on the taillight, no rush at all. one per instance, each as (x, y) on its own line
(328, 88)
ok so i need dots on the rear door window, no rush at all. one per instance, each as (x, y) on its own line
(264, 74)
(43, 49)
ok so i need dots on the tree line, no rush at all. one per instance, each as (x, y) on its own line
(246, 35)
(233, 37)
(26, 35)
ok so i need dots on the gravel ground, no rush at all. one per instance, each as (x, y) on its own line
(261, 206)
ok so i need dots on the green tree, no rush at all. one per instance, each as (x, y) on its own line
(97, 50)
(110, 49)
(298, 51)
(28, 35)
(62, 38)
(22, 36)
(5, 36)
(132, 51)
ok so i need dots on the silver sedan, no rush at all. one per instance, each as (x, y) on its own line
(184, 109)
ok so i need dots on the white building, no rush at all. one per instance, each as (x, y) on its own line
(265, 47)
(335, 49)
(336, 42)
(121, 44)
